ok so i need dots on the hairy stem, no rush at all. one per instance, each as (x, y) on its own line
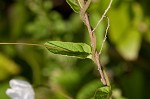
(95, 54)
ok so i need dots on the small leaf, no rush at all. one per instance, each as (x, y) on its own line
(88, 90)
(103, 93)
(80, 50)
(74, 5)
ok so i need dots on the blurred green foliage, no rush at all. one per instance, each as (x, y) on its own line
(126, 53)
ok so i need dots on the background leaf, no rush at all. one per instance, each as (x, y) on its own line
(80, 50)
(126, 38)
(7, 67)
(87, 91)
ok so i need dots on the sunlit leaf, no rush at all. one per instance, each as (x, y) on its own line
(124, 33)
(103, 93)
(119, 20)
(7, 67)
(80, 50)
(116, 94)
(130, 45)
(138, 15)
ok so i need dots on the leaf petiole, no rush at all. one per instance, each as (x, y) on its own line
(30, 44)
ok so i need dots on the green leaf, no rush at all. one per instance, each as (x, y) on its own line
(129, 47)
(119, 18)
(88, 90)
(127, 38)
(117, 94)
(103, 93)
(7, 67)
(80, 50)
(74, 5)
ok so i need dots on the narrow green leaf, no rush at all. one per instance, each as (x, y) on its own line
(103, 93)
(80, 50)
(74, 5)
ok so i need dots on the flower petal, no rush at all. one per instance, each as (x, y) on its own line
(20, 90)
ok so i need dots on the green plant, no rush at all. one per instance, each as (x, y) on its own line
(82, 50)
(125, 54)
(81, 7)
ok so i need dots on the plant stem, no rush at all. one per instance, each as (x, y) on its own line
(100, 68)
(95, 53)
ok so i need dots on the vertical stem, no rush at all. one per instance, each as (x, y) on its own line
(95, 55)
(100, 69)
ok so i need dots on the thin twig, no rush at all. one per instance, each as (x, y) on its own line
(105, 37)
(103, 15)
(30, 44)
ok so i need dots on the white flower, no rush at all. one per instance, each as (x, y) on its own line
(20, 90)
